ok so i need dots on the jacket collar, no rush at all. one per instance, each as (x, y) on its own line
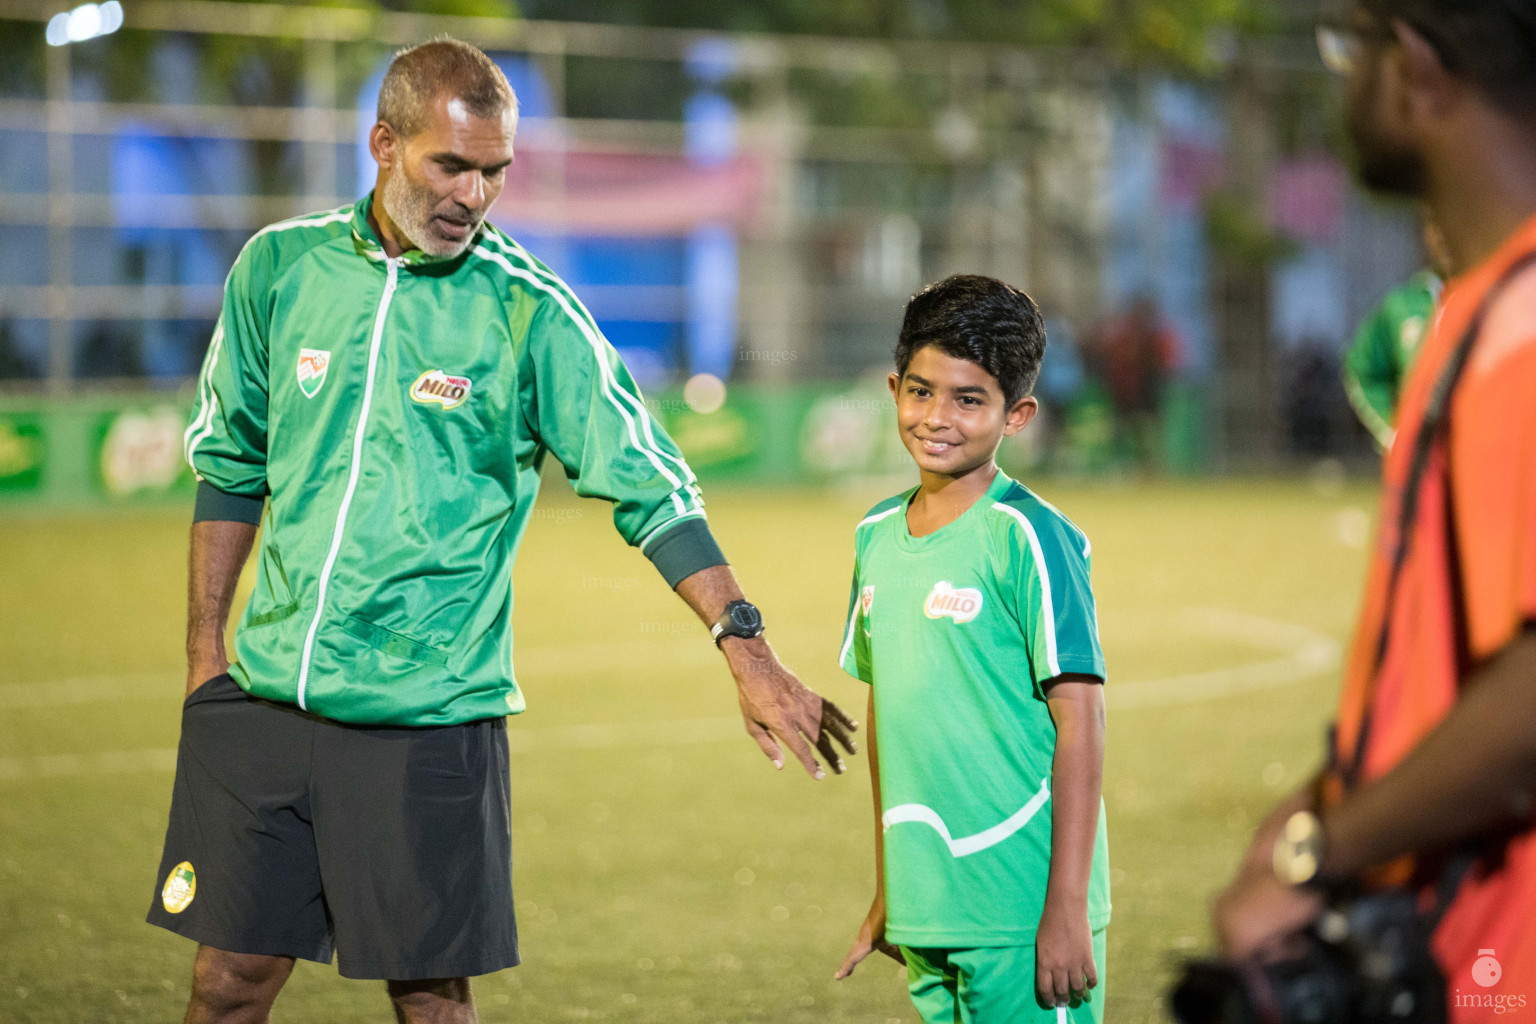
(366, 241)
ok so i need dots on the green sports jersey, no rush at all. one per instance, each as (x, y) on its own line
(958, 631)
(1383, 352)
(398, 411)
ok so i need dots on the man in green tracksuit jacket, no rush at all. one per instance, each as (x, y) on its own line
(1383, 352)
(1387, 343)
(391, 375)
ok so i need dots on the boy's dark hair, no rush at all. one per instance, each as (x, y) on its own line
(1490, 43)
(981, 320)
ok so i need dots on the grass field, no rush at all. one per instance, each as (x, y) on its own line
(665, 872)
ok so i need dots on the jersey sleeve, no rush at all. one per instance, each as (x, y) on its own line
(226, 443)
(1371, 377)
(587, 411)
(1046, 568)
(854, 656)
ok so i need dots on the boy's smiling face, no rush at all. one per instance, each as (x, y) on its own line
(952, 414)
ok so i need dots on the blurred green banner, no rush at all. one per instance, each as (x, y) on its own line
(128, 449)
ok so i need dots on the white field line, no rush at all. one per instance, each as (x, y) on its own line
(103, 762)
(677, 732)
(1299, 653)
(89, 690)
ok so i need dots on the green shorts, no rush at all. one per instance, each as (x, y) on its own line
(992, 985)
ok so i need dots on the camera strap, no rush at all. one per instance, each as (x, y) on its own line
(1432, 430)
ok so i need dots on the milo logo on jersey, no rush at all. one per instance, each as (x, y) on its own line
(435, 386)
(946, 601)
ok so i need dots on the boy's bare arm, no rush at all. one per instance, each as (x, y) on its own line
(872, 932)
(874, 786)
(1064, 966)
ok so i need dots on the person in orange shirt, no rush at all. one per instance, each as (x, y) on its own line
(1434, 753)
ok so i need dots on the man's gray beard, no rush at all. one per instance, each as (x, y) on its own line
(411, 210)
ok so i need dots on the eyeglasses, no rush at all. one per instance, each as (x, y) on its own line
(1340, 44)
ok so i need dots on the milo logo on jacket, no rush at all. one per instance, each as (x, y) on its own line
(435, 386)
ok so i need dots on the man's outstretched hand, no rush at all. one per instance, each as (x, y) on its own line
(779, 709)
(776, 706)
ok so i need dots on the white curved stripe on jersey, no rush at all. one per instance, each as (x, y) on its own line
(610, 383)
(202, 424)
(523, 255)
(1047, 610)
(352, 475)
(922, 814)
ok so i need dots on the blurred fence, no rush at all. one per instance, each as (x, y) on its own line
(753, 208)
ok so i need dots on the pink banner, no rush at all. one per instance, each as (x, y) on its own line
(626, 193)
(1307, 198)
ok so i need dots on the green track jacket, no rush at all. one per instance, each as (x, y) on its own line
(397, 411)
(1377, 363)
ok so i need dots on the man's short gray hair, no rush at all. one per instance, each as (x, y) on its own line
(443, 65)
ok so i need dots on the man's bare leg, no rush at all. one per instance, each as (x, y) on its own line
(433, 1001)
(235, 988)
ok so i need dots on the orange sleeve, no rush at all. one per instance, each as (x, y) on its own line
(1493, 437)
(1525, 459)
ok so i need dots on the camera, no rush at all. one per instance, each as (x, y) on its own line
(1366, 961)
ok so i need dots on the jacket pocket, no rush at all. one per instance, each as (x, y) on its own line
(266, 618)
(273, 591)
(390, 642)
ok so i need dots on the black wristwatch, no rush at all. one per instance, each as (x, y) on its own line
(740, 618)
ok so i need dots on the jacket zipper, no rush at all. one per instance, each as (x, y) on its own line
(393, 271)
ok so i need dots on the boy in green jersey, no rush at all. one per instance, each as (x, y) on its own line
(973, 619)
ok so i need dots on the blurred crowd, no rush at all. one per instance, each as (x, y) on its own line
(1105, 393)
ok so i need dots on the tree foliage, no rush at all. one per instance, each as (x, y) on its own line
(1181, 32)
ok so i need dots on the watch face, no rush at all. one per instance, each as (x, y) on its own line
(746, 616)
(1298, 850)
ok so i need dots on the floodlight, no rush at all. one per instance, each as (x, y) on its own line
(88, 21)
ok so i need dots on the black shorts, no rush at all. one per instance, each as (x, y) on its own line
(292, 835)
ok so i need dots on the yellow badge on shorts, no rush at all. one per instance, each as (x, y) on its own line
(180, 887)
